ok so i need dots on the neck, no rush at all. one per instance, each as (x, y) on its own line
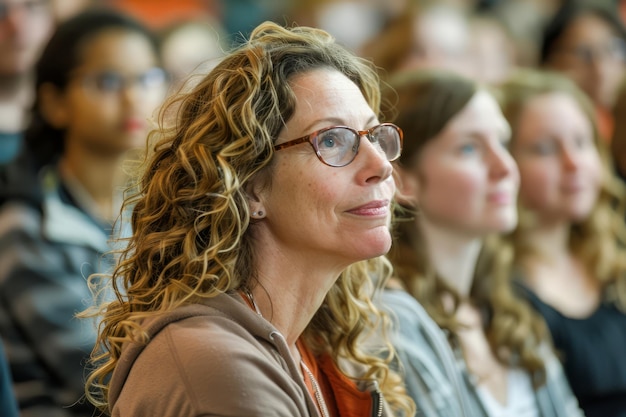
(454, 255)
(290, 288)
(549, 240)
(101, 179)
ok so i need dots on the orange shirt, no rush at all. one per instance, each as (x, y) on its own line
(341, 394)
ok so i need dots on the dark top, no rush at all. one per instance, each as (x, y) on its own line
(593, 351)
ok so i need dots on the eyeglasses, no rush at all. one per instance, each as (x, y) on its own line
(337, 146)
(615, 49)
(111, 82)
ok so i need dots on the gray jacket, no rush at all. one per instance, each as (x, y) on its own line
(46, 255)
(436, 376)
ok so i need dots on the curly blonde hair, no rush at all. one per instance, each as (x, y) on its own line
(425, 102)
(599, 241)
(190, 215)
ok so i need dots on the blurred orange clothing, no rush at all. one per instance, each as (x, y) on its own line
(159, 13)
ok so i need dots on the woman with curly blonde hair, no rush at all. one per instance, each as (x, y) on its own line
(259, 222)
(467, 345)
(569, 246)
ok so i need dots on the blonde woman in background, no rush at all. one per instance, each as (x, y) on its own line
(466, 345)
(242, 292)
(569, 246)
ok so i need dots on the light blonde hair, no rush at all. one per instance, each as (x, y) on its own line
(426, 101)
(192, 227)
(599, 241)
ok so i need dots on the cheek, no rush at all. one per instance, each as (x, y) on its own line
(301, 193)
(536, 183)
(452, 190)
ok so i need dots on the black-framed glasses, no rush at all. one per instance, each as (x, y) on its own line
(337, 146)
(113, 82)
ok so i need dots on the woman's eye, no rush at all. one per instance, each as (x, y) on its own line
(544, 148)
(583, 141)
(328, 142)
(467, 148)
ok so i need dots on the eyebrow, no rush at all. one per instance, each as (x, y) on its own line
(335, 121)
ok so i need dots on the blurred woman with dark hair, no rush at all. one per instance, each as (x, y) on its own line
(97, 81)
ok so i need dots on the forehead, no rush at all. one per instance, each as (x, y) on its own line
(326, 94)
(544, 114)
(587, 28)
(481, 115)
(117, 47)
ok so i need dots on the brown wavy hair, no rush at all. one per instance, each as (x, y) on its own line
(599, 241)
(192, 228)
(425, 102)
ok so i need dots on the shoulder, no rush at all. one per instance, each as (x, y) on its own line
(19, 218)
(404, 309)
(210, 365)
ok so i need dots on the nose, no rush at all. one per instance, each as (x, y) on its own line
(569, 157)
(502, 163)
(373, 164)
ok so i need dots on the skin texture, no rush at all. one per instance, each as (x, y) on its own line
(559, 163)
(324, 214)
(465, 179)
(318, 219)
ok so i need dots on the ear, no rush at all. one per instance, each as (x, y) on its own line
(407, 187)
(255, 192)
(53, 105)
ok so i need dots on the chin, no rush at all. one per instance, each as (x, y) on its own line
(375, 245)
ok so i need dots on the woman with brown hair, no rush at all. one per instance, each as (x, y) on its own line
(467, 345)
(569, 245)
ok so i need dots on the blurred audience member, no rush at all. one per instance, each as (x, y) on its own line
(524, 21)
(191, 46)
(492, 50)
(586, 41)
(97, 81)
(570, 255)
(25, 26)
(351, 22)
(468, 346)
(430, 35)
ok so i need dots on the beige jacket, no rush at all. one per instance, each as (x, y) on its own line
(213, 359)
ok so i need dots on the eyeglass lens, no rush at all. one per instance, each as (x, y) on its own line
(338, 146)
(114, 82)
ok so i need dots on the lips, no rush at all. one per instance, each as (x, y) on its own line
(501, 197)
(133, 125)
(372, 208)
